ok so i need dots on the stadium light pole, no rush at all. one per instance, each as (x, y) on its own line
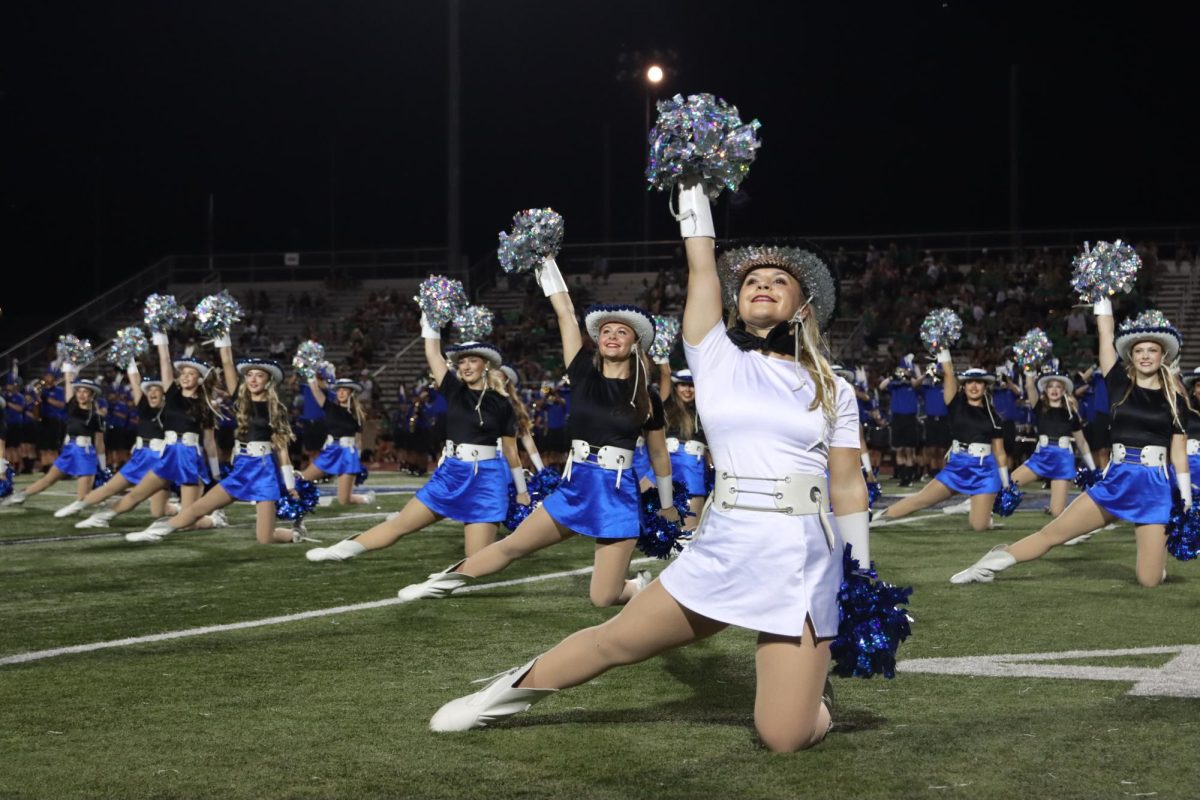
(654, 76)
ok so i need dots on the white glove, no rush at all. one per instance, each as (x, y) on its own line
(550, 278)
(537, 461)
(666, 492)
(854, 531)
(158, 337)
(695, 212)
(102, 460)
(1102, 307)
(1089, 461)
(69, 369)
(427, 330)
(289, 477)
(3, 467)
(214, 466)
(132, 372)
(1184, 481)
(518, 479)
(223, 342)
(1004, 480)
(943, 356)
(662, 361)
(865, 459)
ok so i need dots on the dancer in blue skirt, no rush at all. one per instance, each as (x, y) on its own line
(261, 469)
(524, 425)
(343, 422)
(976, 452)
(147, 446)
(1060, 430)
(470, 484)
(686, 442)
(1147, 415)
(82, 451)
(598, 497)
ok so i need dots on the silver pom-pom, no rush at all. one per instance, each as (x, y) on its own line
(666, 331)
(1150, 318)
(216, 314)
(127, 346)
(1033, 349)
(163, 313)
(537, 234)
(700, 137)
(309, 358)
(1105, 270)
(441, 299)
(73, 350)
(474, 324)
(941, 329)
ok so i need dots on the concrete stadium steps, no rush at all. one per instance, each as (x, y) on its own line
(1175, 294)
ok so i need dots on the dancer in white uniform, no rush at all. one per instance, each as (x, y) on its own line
(768, 556)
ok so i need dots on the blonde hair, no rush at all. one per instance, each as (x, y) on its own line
(1168, 389)
(356, 409)
(281, 427)
(680, 416)
(524, 425)
(1072, 405)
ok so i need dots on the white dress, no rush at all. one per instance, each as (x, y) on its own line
(762, 570)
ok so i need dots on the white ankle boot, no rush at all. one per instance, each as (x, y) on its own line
(14, 499)
(71, 509)
(498, 700)
(155, 533)
(342, 551)
(985, 569)
(98, 519)
(437, 585)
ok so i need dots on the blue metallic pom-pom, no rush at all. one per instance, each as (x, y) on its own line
(1183, 531)
(103, 476)
(6, 482)
(362, 476)
(661, 538)
(710, 479)
(871, 623)
(874, 490)
(1087, 478)
(1008, 500)
(544, 482)
(291, 509)
(540, 485)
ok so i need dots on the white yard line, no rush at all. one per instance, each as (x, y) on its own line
(38, 655)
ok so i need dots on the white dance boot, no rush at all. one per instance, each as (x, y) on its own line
(98, 519)
(71, 509)
(438, 585)
(155, 533)
(498, 700)
(14, 499)
(342, 551)
(985, 569)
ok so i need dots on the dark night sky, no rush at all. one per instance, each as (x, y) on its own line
(118, 119)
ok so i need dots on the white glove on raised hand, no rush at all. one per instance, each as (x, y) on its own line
(695, 212)
(1102, 307)
(69, 369)
(550, 278)
(427, 330)
(223, 342)
(159, 337)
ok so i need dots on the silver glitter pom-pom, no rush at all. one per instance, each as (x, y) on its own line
(441, 300)
(309, 358)
(536, 235)
(666, 331)
(127, 345)
(1033, 349)
(216, 314)
(700, 137)
(1150, 318)
(163, 313)
(1105, 270)
(941, 329)
(474, 324)
(73, 350)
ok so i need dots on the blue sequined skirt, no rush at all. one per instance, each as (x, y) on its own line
(254, 478)
(1194, 468)
(688, 470)
(182, 464)
(142, 461)
(590, 503)
(338, 460)
(76, 461)
(458, 492)
(1133, 492)
(1053, 463)
(968, 474)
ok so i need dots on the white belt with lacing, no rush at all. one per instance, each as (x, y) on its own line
(797, 495)
(78, 441)
(1149, 456)
(606, 457)
(975, 449)
(156, 445)
(254, 449)
(343, 441)
(190, 439)
(692, 447)
(1193, 447)
(1063, 441)
(470, 452)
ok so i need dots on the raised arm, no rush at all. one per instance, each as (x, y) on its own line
(433, 351)
(1105, 330)
(702, 309)
(314, 386)
(664, 381)
(166, 369)
(1031, 392)
(949, 377)
(227, 366)
(135, 382)
(568, 325)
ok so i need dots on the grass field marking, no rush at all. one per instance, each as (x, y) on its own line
(1179, 677)
(38, 655)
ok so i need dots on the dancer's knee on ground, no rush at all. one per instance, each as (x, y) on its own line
(787, 738)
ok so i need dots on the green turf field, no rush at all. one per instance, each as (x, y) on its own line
(337, 705)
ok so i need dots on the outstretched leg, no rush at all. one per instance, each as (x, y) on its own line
(539, 530)
(609, 584)
(934, 492)
(413, 517)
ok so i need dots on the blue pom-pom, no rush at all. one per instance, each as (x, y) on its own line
(103, 476)
(540, 486)
(661, 538)
(874, 490)
(710, 479)
(225, 468)
(871, 623)
(362, 476)
(291, 509)
(1087, 478)
(1183, 531)
(1008, 500)
(544, 482)
(6, 482)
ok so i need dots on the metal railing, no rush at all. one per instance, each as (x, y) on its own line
(318, 265)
